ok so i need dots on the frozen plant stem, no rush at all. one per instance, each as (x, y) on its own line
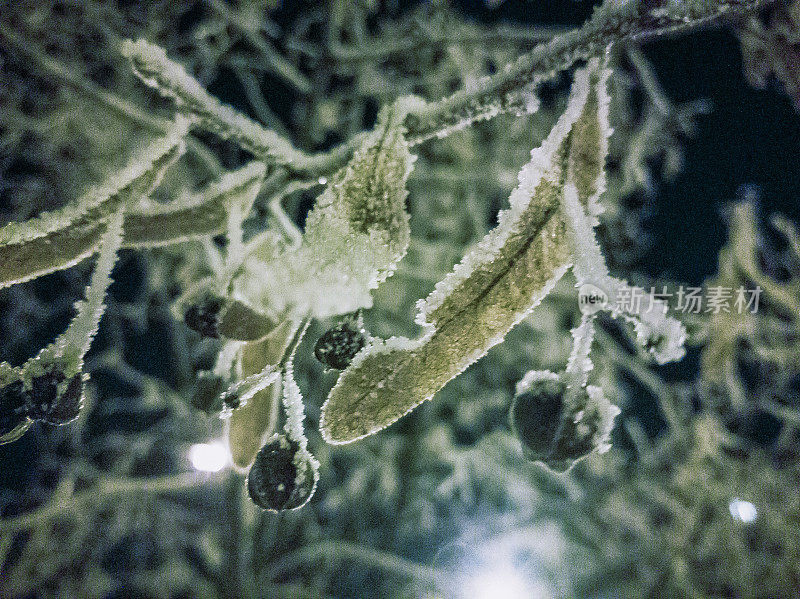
(614, 21)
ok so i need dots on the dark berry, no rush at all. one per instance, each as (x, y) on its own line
(547, 428)
(337, 347)
(12, 407)
(44, 401)
(283, 476)
(203, 317)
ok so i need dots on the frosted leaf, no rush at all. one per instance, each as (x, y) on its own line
(161, 150)
(355, 235)
(494, 287)
(241, 322)
(589, 146)
(369, 193)
(249, 424)
(542, 176)
(207, 210)
(62, 238)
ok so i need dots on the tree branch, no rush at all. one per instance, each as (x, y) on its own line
(614, 21)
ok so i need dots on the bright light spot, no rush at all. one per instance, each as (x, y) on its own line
(742, 510)
(322, 180)
(209, 457)
(502, 583)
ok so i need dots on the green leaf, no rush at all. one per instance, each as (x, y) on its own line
(62, 238)
(202, 213)
(250, 424)
(494, 287)
(355, 236)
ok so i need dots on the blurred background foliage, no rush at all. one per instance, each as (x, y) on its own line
(698, 497)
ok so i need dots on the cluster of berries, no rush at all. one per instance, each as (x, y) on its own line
(283, 475)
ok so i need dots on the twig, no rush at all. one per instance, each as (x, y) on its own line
(501, 35)
(614, 21)
(277, 64)
(611, 23)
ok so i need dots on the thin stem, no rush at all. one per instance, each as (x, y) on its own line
(106, 490)
(277, 64)
(652, 382)
(649, 81)
(579, 365)
(500, 35)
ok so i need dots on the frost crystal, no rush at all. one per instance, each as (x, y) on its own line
(543, 169)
